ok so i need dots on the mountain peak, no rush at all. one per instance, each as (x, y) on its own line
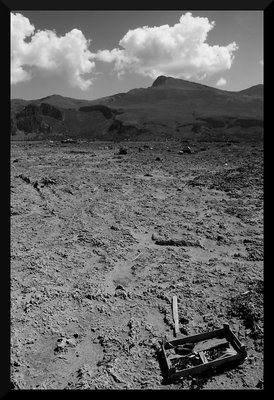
(51, 96)
(177, 83)
(161, 80)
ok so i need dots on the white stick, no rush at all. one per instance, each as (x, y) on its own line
(175, 315)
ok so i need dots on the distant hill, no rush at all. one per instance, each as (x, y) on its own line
(257, 90)
(169, 108)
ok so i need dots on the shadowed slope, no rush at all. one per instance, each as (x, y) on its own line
(158, 110)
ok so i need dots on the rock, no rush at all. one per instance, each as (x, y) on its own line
(61, 344)
(71, 342)
(35, 185)
(68, 140)
(119, 287)
(121, 293)
(24, 178)
(176, 242)
(154, 237)
(260, 384)
(187, 150)
(158, 159)
(48, 181)
(122, 150)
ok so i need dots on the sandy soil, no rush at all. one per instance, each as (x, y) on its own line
(91, 286)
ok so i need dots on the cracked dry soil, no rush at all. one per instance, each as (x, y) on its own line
(100, 243)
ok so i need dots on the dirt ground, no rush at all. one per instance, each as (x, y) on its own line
(91, 276)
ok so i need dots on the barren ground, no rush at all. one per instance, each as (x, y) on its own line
(91, 289)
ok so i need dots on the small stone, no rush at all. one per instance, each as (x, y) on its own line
(121, 293)
(187, 150)
(154, 237)
(60, 345)
(119, 287)
(260, 384)
(35, 185)
(122, 150)
(16, 364)
(71, 342)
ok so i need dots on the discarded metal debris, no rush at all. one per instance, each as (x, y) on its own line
(192, 355)
(175, 315)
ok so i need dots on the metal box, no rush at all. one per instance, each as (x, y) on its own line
(204, 352)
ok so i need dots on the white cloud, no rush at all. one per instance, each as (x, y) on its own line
(180, 51)
(66, 55)
(221, 82)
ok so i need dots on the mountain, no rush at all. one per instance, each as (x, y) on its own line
(169, 108)
(257, 90)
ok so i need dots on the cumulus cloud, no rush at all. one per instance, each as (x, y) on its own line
(221, 82)
(44, 51)
(180, 51)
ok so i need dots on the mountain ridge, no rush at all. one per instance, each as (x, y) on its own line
(158, 110)
(256, 88)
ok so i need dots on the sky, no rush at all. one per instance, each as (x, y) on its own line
(92, 54)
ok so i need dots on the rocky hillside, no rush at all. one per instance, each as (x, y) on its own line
(169, 108)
